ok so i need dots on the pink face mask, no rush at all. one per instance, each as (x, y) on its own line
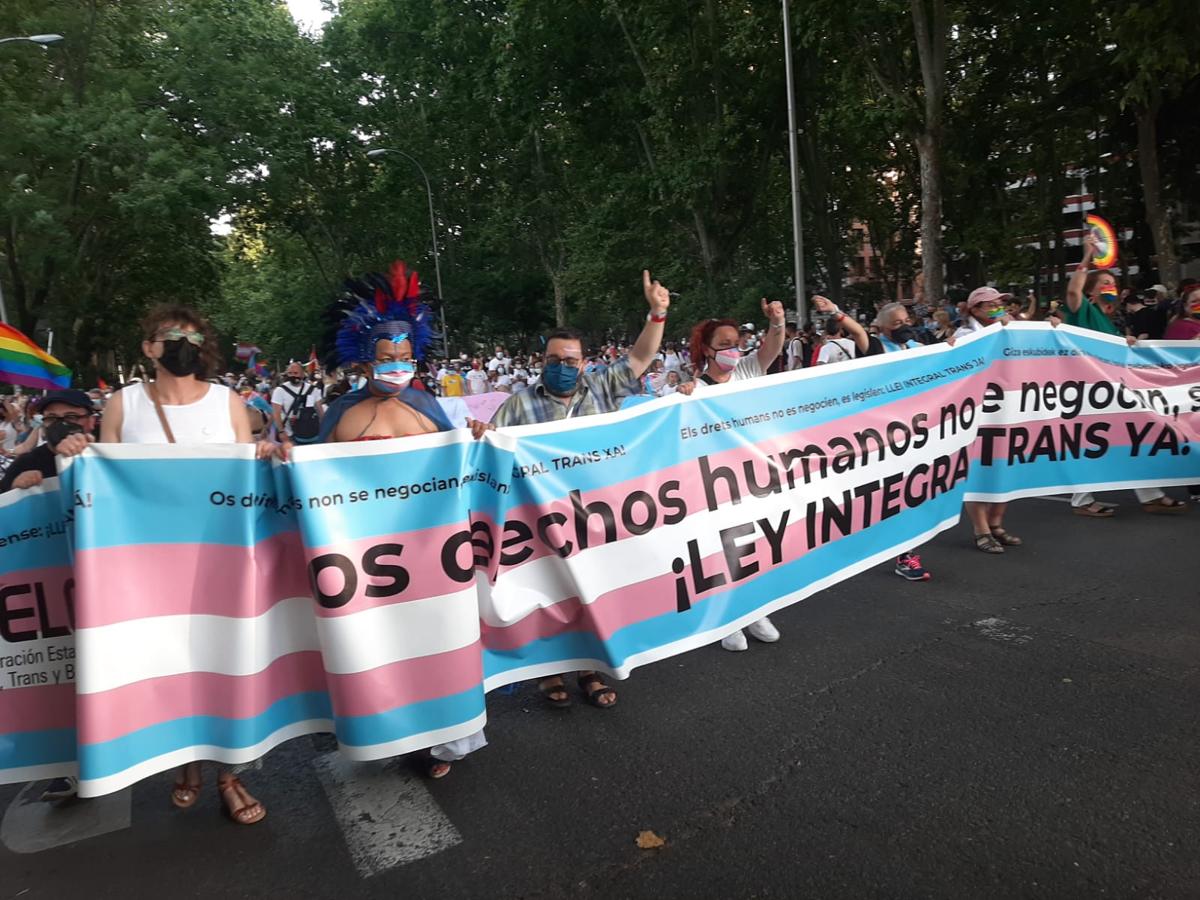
(727, 360)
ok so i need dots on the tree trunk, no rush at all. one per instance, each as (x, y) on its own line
(929, 25)
(928, 150)
(560, 302)
(1156, 213)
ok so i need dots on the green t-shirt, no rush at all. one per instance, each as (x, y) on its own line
(1090, 317)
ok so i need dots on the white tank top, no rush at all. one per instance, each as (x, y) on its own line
(207, 421)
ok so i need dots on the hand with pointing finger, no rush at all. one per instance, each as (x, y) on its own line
(773, 310)
(656, 295)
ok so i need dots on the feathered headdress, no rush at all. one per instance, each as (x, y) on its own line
(381, 307)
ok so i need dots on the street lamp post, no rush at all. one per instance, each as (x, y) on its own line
(797, 231)
(437, 265)
(42, 40)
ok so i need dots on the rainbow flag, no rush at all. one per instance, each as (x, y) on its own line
(25, 363)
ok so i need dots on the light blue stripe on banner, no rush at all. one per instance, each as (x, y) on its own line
(724, 608)
(111, 757)
(416, 718)
(1183, 353)
(171, 501)
(425, 493)
(36, 748)
(37, 511)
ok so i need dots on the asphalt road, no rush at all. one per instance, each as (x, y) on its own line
(1020, 726)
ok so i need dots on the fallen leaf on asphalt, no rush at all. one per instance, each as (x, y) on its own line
(648, 840)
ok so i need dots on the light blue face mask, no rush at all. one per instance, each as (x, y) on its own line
(392, 377)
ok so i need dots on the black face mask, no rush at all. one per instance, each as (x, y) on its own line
(57, 431)
(180, 357)
(904, 334)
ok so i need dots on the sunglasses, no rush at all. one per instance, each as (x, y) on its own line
(69, 418)
(178, 334)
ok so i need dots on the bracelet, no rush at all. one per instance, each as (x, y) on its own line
(656, 319)
(838, 316)
(777, 327)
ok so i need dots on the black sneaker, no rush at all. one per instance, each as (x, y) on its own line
(908, 567)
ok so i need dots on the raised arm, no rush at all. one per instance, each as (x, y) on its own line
(1079, 276)
(642, 353)
(773, 340)
(857, 333)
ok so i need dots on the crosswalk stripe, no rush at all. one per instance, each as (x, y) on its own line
(388, 818)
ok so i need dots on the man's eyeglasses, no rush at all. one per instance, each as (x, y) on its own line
(178, 334)
(571, 362)
(69, 418)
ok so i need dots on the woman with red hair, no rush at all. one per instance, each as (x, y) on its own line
(717, 360)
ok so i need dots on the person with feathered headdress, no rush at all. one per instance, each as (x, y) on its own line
(382, 325)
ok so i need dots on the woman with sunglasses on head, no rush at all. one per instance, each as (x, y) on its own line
(181, 407)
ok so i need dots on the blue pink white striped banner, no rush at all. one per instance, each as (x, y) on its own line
(378, 590)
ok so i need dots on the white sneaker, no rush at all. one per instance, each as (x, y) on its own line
(735, 642)
(763, 630)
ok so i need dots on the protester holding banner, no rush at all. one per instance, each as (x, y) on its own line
(719, 358)
(895, 332)
(180, 406)
(1187, 326)
(1092, 304)
(64, 413)
(985, 308)
(565, 391)
(386, 330)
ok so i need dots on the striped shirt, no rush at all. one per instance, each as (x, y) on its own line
(599, 392)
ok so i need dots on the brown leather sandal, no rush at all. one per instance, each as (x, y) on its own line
(186, 791)
(249, 809)
(1165, 506)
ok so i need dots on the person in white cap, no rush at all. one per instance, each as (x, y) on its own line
(986, 307)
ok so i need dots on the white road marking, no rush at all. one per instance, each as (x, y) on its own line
(1002, 630)
(31, 826)
(388, 817)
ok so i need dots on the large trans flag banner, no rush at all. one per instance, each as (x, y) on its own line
(37, 647)
(392, 558)
(194, 628)
(377, 590)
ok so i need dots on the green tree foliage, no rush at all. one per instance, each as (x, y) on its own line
(568, 145)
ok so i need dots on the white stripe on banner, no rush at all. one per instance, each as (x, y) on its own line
(376, 637)
(171, 645)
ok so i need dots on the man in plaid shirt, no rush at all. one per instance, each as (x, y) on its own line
(566, 392)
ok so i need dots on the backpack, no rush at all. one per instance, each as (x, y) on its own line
(307, 424)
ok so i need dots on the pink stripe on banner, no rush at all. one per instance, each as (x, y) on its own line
(30, 594)
(691, 490)
(406, 682)
(108, 715)
(420, 559)
(37, 708)
(239, 582)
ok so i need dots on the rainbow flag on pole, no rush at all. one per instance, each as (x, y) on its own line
(25, 363)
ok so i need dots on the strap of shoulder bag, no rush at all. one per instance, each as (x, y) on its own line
(152, 390)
